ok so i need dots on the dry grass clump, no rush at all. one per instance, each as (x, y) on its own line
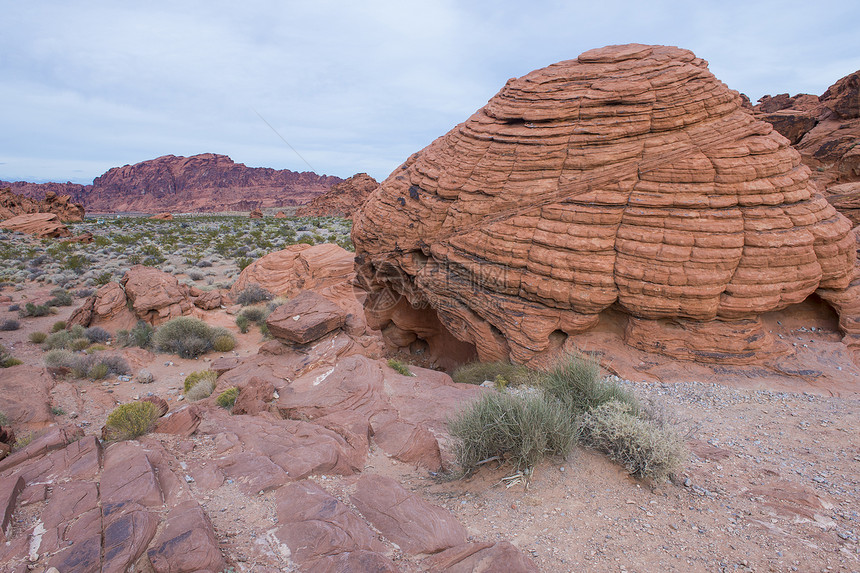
(253, 294)
(640, 445)
(520, 429)
(200, 384)
(570, 403)
(37, 337)
(189, 337)
(6, 359)
(500, 373)
(128, 421)
(399, 367)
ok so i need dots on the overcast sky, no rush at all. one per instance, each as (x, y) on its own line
(352, 86)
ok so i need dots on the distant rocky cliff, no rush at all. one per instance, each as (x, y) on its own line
(343, 199)
(206, 182)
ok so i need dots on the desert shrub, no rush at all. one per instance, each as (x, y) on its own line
(78, 344)
(200, 390)
(37, 337)
(117, 365)
(14, 307)
(95, 348)
(76, 263)
(243, 262)
(140, 335)
(202, 263)
(227, 398)
(255, 313)
(479, 372)
(85, 292)
(97, 371)
(58, 326)
(200, 375)
(253, 294)
(10, 324)
(128, 421)
(103, 278)
(64, 338)
(188, 337)
(62, 297)
(224, 343)
(575, 381)
(243, 322)
(195, 275)
(399, 367)
(6, 359)
(31, 309)
(97, 334)
(519, 429)
(640, 445)
(61, 359)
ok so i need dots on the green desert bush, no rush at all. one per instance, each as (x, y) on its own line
(253, 294)
(199, 376)
(575, 381)
(644, 448)
(188, 337)
(519, 429)
(129, 421)
(140, 335)
(479, 372)
(31, 309)
(227, 398)
(6, 359)
(62, 297)
(200, 390)
(64, 338)
(79, 344)
(37, 337)
(97, 371)
(58, 326)
(224, 343)
(243, 322)
(399, 367)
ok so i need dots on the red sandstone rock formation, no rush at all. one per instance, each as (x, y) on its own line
(163, 217)
(628, 178)
(39, 224)
(206, 182)
(255, 214)
(342, 200)
(12, 204)
(826, 132)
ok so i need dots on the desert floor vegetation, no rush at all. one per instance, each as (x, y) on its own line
(199, 250)
(548, 412)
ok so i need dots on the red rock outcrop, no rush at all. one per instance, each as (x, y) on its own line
(12, 204)
(162, 216)
(255, 214)
(825, 130)
(47, 225)
(307, 317)
(342, 200)
(205, 182)
(628, 178)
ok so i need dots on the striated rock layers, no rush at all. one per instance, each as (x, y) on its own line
(342, 200)
(206, 182)
(628, 178)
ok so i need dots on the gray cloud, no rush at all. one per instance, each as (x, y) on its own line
(352, 86)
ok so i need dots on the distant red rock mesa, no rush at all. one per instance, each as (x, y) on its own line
(343, 199)
(206, 182)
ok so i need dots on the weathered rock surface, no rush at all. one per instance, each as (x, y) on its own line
(628, 178)
(155, 296)
(342, 199)
(12, 204)
(25, 392)
(414, 524)
(472, 557)
(187, 543)
(163, 216)
(256, 214)
(45, 225)
(305, 318)
(205, 182)
(323, 534)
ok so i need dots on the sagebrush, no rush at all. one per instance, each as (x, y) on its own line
(128, 421)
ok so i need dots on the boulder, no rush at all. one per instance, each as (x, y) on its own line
(83, 238)
(45, 225)
(629, 177)
(256, 214)
(288, 271)
(254, 397)
(106, 306)
(182, 422)
(155, 296)
(414, 524)
(280, 215)
(305, 318)
(208, 300)
(163, 216)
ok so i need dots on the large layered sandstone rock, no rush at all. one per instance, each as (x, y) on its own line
(342, 200)
(12, 204)
(45, 225)
(629, 178)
